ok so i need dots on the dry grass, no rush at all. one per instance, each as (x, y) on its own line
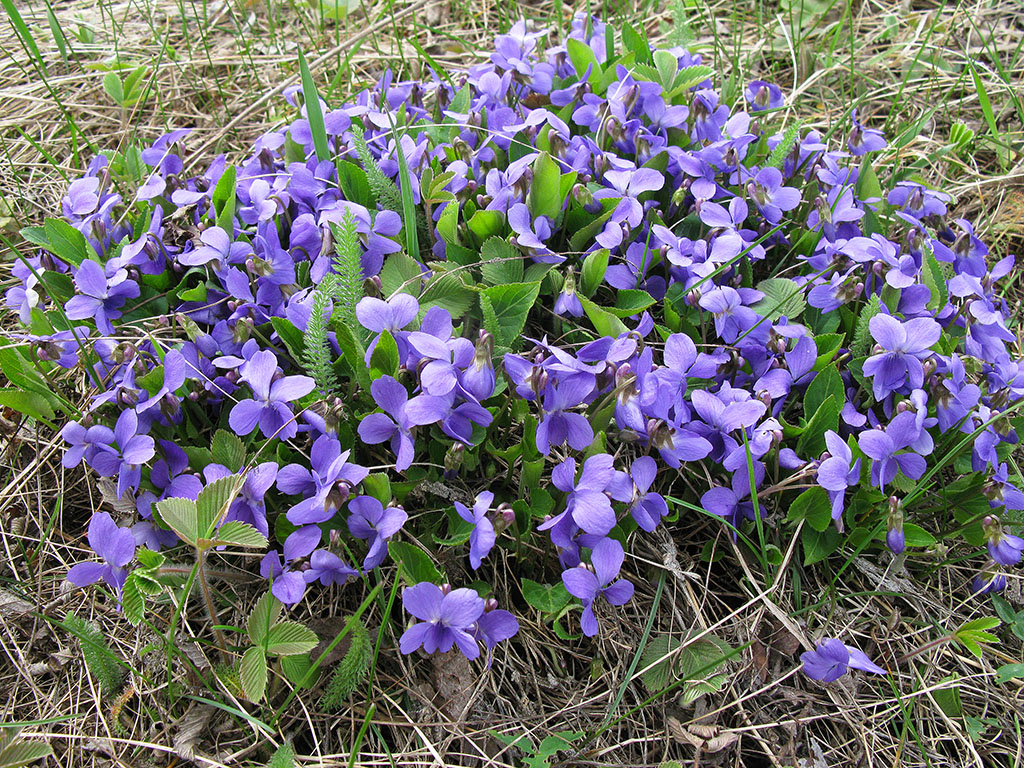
(904, 63)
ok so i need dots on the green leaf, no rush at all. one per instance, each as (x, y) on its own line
(548, 599)
(1008, 672)
(31, 404)
(819, 545)
(629, 302)
(781, 297)
(581, 56)
(509, 306)
(687, 78)
(947, 696)
(377, 485)
(291, 336)
(354, 354)
(239, 534)
(636, 41)
(20, 372)
(667, 65)
(114, 87)
(20, 752)
(213, 503)
(132, 602)
(416, 564)
(66, 242)
(252, 674)
(314, 114)
(401, 273)
(181, 516)
(500, 263)
(385, 359)
(696, 663)
(284, 757)
(486, 224)
(813, 506)
(265, 614)
(605, 323)
(826, 417)
(223, 200)
(544, 197)
(228, 450)
(916, 536)
(289, 638)
(449, 292)
(934, 277)
(593, 271)
(826, 383)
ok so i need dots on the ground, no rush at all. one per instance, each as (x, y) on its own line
(945, 82)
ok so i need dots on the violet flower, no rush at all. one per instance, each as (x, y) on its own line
(884, 448)
(325, 485)
(832, 659)
(446, 619)
(633, 488)
(269, 406)
(371, 521)
(126, 459)
(100, 298)
(606, 558)
(903, 347)
(837, 473)
(116, 547)
(482, 539)
(327, 568)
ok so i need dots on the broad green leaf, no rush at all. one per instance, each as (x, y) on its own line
(813, 506)
(593, 271)
(549, 599)
(581, 56)
(667, 65)
(1008, 672)
(781, 297)
(66, 242)
(486, 224)
(290, 638)
(695, 662)
(636, 41)
(934, 277)
(826, 383)
(265, 614)
(916, 536)
(385, 359)
(605, 323)
(629, 302)
(31, 404)
(416, 564)
(223, 200)
(401, 273)
(812, 441)
(500, 263)
(21, 373)
(252, 674)
(510, 305)
(449, 292)
(819, 544)
(354, 353)
(377, 485)
(181, 516)
(291, 336)
(239, 534)
(228, 450)
(544, 197)
(947, 696)
(214, 501)
(23, 752)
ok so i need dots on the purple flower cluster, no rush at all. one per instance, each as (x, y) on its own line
(717, 295)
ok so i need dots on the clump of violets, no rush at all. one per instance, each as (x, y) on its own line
(620, 283)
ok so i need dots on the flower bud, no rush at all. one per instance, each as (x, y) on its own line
(895, 538)
(453, 460)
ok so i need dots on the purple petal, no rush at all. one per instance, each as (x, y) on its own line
(423, 601)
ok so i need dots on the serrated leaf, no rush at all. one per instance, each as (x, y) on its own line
(416, 564)
(291, 336)
(781, 297)
(22, 752)
(447, 291)
(181, 516)
(934, 277)
(500, 263)
(252, 674)
(378, 485)
(132, 602)
(228, 450)
(284, 757)
(510, 305)
(214, 501)
(695, 663)
(629, 302)
(289, 638)
(687, 78)
(546, 598)
(239, 534)
(402, 273)
(264, 615)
